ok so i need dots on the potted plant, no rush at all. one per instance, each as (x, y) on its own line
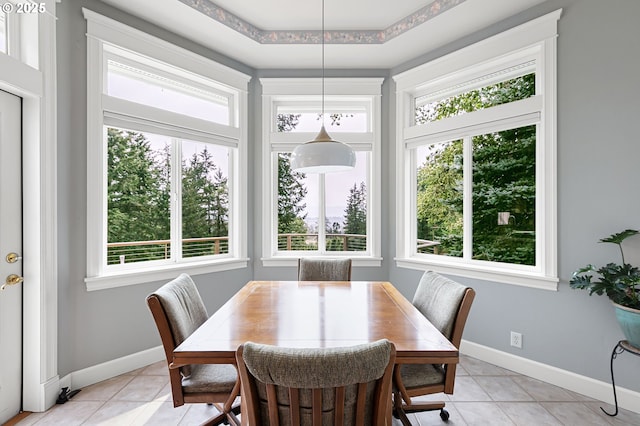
(620, 282)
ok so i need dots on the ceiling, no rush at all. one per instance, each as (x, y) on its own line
(360, 34)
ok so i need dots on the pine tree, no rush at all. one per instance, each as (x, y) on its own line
(136, 189)
(355, 218)
(205, 201)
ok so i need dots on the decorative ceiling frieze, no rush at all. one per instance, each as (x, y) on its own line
(213, 11)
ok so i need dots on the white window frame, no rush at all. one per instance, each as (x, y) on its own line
(109, 39)
(530, 47)
(363, 92)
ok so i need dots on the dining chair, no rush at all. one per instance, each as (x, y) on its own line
(446, 304)
(310, 269)
(178, 311)
(320, 386)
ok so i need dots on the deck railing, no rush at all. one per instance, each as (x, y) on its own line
(428, 246)
(334, 242)
(141, 251)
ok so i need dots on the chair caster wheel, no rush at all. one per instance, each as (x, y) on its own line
(444, 415)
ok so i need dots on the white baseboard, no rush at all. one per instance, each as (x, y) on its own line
(106, 370)
(627, 399)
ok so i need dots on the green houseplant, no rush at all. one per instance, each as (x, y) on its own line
(620, 282)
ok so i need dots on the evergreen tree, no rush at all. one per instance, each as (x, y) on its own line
(136, 189)
(205, 201)
(291, 191)
(355, 219)
(219, 205)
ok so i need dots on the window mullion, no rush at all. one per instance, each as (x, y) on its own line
(411, 219)
(322, 246)
(467, 204)
(176, 200)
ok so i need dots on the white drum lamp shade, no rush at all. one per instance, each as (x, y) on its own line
(323, 155)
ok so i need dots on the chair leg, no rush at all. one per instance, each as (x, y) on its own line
(231, 415)
(427, 406)
(228, 418)
(216, 420)
(398, 409)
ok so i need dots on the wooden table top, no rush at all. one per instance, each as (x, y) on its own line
(315, 314)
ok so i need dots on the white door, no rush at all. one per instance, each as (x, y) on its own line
(10, 256)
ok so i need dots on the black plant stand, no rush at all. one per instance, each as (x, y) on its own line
(622, 346)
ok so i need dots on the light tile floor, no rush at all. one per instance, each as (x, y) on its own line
(484, 395)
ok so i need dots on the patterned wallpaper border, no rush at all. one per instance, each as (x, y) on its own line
(210, 9)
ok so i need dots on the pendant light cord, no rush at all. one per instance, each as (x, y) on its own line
(323, 120)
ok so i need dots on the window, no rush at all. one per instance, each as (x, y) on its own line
(165, 150)
(334, 214)
(476, 160)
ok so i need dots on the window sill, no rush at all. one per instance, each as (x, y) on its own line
(293, 261)
(524, 279)
(165, 272)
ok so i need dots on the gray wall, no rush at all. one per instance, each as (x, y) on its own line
(598, 61)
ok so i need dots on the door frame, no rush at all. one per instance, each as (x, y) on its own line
(30, 73)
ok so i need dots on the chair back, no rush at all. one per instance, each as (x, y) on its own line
(445, 303)
(324, 269)
(178, 311)
(328, 386)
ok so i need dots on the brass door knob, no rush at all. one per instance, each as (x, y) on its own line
(12, 279)
(13, 257)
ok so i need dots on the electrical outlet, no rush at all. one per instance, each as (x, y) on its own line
(516, 339)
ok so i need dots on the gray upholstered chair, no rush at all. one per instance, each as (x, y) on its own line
(178, 311)
(328, 386)
(310, 269)
(446, 305)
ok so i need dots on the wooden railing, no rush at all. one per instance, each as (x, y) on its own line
(334, 242)
(141, 251)
(428, 246)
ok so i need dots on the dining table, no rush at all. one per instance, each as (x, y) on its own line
(316, 314)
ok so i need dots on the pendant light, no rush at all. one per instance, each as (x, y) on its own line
(323, 154)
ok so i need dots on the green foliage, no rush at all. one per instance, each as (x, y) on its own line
(355, 216)
(205, 199)
(137, 190)
(504, 180)
(291, 193)
(485, 97)
(439, 198)
(139, 197)
(620, 282)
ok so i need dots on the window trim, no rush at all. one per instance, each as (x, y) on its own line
(289, 91)
(535, 39)
(105, 38)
